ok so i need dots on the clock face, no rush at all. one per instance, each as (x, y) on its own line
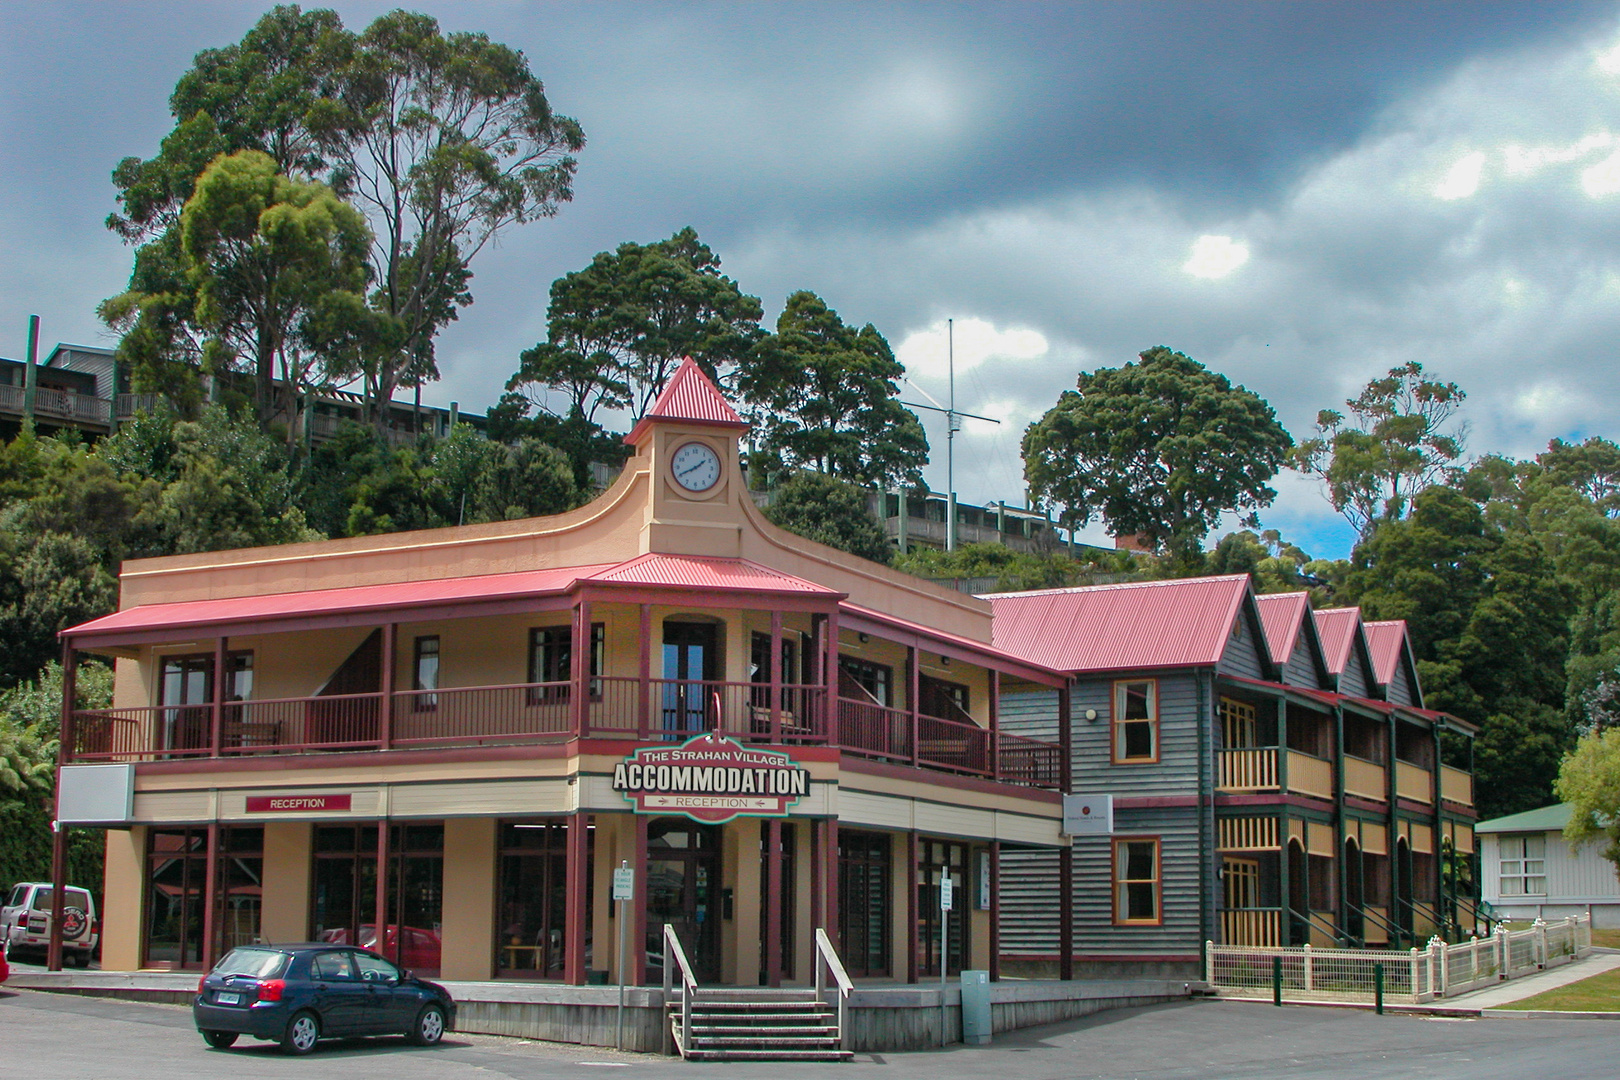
(695, 466)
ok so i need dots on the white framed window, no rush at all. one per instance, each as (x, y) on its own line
(1523, 865)
(1136, 721)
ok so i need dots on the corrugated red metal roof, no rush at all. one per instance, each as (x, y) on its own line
(1385, 641)
(704, 572)
(956, 641)
(1282, 614)
(1144, 624)
(689, 395)
(357, 598)
(1338, 627)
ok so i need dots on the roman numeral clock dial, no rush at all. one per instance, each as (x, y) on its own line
(695, 466)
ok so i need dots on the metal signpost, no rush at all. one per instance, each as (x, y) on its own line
(945, 899)
(624, 890)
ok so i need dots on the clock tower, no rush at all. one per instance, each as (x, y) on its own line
(690, 440)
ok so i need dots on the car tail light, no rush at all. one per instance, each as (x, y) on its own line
(200, 983)
(270, 989)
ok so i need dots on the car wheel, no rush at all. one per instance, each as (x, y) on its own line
(303, 1032)
(220, 1040)
(429, 1027)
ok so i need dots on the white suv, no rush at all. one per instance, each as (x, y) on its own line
(25, 921)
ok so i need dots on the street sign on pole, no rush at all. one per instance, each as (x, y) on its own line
(946, 889)
(624, 891)
(624, 883)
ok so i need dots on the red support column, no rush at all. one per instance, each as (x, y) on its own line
(576, 918)
(638, 907)
(579, 668)
(912, 907)
(994, 705)
(913, 691)
(818, 856)
(776, 678)
(70, 694)
(773, 902)
(385, 707)
(210, 897)
(644, 673)
(216, 719)
(829, 660)
(1066, 913)
(382, 897)
(995, 911)
(829, 881)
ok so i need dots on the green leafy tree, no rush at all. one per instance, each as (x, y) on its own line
(1397, 447)
(823, 396)
(617, 330)
(1488, 619)
(827, 510)
(279, 269)
(1275, 565)
(1589, 780)
(1159, 449)
(1591, 468)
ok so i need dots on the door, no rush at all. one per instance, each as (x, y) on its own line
(683, 890)
(188, 694)
(691, 658)
(391, 1007)
(343, 1001)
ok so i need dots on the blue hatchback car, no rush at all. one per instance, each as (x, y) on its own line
(299, 994)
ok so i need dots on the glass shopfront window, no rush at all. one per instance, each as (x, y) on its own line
(176, 870)
(864, 906)
(533, 898)
(344, 908)
(937, 859)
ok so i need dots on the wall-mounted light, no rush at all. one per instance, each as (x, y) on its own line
(944, 661)
(863, 637)
(1091, 716)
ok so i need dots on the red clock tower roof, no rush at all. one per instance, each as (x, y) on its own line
(690, 396)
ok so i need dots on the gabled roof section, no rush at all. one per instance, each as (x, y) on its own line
(1129, 626)
(690, 396)
(1384, 642)
(1282, 614)
(703, 572)
(1544, 819)
(1338, 629)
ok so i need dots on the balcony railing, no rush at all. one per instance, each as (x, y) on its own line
(1414, 782)
(1310, 775)
(1248, 769)
(633, 709)
(1456, 786)
(56, 404)
(1365, 778)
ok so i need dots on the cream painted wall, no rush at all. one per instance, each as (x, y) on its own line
(600, 957)
(903, 903)
(739, 872)
(123, 898)
(468, 918)
(287, 847)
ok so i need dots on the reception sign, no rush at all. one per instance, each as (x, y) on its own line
(712, 779)
(297, 804)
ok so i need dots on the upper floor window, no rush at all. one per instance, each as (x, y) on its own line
(1136, 721)
(759, 660)
(937, 697)
(551, 660)
(425, 673)
(877, 680)
(1239, 724)
(1524, 865)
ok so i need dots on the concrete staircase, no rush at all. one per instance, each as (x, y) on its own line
(757, 1025)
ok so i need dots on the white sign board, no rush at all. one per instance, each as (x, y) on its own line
(96, 794)
(624, 883)
(1088, 815)
(946, 886)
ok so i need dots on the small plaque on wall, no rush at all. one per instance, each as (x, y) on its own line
(1088, 815)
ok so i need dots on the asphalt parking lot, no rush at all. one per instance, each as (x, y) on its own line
(66, 1037)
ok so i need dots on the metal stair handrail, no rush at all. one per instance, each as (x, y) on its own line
(689, 983)
(827, 962)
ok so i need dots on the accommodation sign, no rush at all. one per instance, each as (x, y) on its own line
(712, 779)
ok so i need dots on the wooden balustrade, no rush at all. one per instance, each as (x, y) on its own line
(1365, 779)
(1456, 786)
(1310, 775)
(1251, 926)
(624, 708)
(1249, 769)
(1414, 782)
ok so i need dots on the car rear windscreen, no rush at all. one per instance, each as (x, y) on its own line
(255, 963)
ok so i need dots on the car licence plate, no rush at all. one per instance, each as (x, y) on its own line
(228, 999)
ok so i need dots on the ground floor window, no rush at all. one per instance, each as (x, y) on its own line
(864, 906)
(176, 872)
(345, 891)
(533, 898)
(786, 901)
(1136, 880)
(241, 885)
(936, 860)
(683, 890)
(1523, 865)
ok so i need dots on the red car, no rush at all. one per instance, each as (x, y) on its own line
(421, 952)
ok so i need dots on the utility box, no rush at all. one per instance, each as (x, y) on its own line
(976, 1008)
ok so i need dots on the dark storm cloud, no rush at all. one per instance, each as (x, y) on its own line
(1037, 169)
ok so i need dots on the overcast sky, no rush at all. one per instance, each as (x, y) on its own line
(1298, 195)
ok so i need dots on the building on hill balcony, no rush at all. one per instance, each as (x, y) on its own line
(1273, 777)
(86, 389)
(443, 743)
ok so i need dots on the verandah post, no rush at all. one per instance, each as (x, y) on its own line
(210, 896)
(575, 917)
(644, 674)
(776, 676)
(385, 707)
(773, 902)
(216, 716)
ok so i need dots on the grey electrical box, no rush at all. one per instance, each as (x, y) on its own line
(976, 1008)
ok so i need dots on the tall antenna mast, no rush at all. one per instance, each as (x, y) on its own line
(953, 424)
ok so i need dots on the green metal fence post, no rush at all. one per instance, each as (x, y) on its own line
(1276, 980)
(1378, 989)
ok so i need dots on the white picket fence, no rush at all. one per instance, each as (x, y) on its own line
(1411, 977)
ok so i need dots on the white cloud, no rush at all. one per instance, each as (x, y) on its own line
(1462, 179)
(1215, 257)
(927, 353)
(1603, 178)
(1520, 160)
